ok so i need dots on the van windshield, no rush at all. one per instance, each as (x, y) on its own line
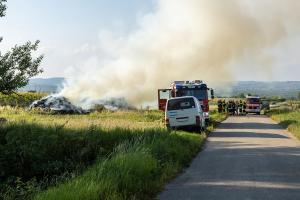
(179, 104)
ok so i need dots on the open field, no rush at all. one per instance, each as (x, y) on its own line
(108, 155)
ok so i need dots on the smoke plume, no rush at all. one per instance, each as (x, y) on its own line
(185, 40)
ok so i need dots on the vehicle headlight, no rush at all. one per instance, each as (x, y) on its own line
(206, 114)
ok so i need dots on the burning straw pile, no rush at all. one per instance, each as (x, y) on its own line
(57, 104)
(60, 104)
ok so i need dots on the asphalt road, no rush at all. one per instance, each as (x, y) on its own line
(245, 158)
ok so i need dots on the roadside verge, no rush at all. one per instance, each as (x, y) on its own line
(289, 120)
(137, 169)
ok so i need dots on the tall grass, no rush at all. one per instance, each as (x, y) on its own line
(105, 120)
(288, 119)
(120, 155)
(135, 170)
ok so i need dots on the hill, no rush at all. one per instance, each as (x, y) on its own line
(286, 89)
(48, 85)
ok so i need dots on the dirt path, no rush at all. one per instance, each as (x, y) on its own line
(245, 158)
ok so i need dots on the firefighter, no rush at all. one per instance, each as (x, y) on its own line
(228, 106)
(240, 107)
(244, 107)
(231, 107)
(224, 106)
(235, 107)
(220, 106)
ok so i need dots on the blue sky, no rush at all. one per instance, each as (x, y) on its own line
(64, 25)
(70, 20)
(68, 26)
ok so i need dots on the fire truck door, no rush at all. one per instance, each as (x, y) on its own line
(163, 96)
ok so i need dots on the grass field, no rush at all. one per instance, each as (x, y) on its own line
(108, 155)
(288, 118)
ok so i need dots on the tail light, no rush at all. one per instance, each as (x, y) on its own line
(205, 107)
(198, 120)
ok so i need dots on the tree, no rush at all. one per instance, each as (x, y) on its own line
(241, 95)
(2, 8)
(18, 65)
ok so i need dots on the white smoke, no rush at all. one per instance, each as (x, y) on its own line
(191, 39)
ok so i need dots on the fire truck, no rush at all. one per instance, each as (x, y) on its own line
(196, 88)
(253, 104)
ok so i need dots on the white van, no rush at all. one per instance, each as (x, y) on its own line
(184, 112)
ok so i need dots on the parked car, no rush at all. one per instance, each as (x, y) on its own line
(184, 112)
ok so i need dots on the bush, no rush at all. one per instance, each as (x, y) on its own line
(19, 99)
(30, 150)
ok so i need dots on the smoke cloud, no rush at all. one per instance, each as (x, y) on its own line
(184, 40)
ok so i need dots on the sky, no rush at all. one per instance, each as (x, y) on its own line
(66, 27)
(73, 33)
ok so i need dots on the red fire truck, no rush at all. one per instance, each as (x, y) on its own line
(196, 88)
(253, 104)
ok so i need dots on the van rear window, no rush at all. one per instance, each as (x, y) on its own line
(178, 104)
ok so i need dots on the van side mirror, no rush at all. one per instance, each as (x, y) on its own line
(212, 93)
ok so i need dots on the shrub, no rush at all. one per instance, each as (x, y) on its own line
(19, 99)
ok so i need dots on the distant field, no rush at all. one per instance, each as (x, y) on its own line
(108, 155)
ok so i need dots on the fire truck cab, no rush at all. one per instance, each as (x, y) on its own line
(253, 104)
(196, 88)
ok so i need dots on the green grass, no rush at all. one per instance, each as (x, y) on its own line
(108, 155)
(288, 119)
(19, 99)
(135, 170)
(106, 120)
